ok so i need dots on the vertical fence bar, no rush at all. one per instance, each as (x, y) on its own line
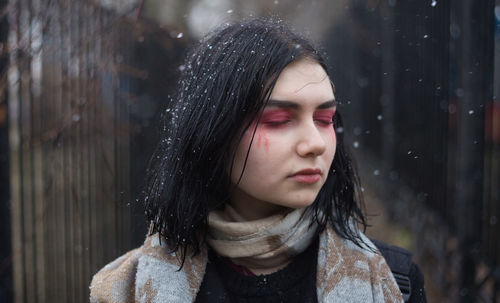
(36, 141)
(5, 203)
(47, 141)
(15, 148)
(85, 135)
(26, 167)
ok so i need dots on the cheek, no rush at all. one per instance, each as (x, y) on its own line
(259, 150)
(260, 140)
(332, 142)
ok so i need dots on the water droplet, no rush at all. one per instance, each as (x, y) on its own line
(179, 35)
(182, 67)
(409, 152)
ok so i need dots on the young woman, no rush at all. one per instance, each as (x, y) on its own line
(251, 194)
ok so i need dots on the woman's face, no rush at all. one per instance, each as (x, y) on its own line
(293, 147)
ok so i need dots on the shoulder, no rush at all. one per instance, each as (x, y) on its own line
(407, 274)
(345, 267)
(114, 282)
(141, 274)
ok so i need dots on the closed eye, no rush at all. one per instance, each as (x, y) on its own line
(277, 123)
(325, 122)
(277, 117)
(324, 117)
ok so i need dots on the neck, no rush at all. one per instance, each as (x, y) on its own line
(250, 208)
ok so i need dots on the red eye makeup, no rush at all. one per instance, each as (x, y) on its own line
(276, 117)
(324, 116)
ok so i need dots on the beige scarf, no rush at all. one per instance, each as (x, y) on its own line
(345, 272)
(261, 244)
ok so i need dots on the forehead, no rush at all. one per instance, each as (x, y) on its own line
(303, 78)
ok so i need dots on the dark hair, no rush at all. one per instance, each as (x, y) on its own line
(225, 83)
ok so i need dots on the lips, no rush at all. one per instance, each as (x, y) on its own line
(307, 176)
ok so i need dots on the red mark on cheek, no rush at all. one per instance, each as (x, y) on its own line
(266, 144)
(261, 137)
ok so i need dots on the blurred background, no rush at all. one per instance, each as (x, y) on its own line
(83, 83)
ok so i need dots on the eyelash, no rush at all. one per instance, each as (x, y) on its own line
(277, 123)
(325, 122)
(280, 123)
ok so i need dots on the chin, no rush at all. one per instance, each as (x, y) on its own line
(299, 203)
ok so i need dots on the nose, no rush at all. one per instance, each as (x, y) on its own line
(311, 143)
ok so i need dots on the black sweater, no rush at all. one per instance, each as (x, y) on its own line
(294, 283)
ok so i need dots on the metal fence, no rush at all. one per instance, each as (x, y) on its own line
(69, 146)
(415, 80)
(85, 86)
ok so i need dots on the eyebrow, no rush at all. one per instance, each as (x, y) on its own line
(295, 105)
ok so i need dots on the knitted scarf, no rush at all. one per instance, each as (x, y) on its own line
(345, 272)
(265, 243)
